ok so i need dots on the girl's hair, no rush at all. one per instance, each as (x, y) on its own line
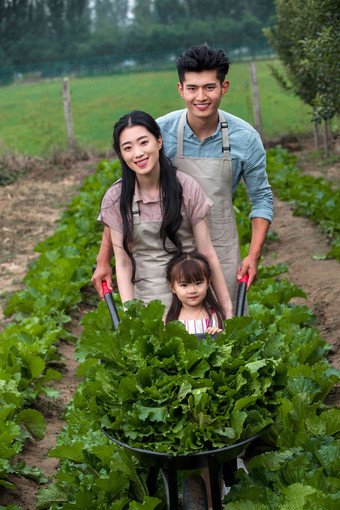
(170, 188)
(192, 267)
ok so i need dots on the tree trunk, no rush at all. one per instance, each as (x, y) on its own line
(256, 98)
(325, 139)
(316, 134)
(68, 114)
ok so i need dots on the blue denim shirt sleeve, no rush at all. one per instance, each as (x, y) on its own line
(246, 151)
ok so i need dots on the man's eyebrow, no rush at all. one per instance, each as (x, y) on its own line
(138, 139)
(195, 84)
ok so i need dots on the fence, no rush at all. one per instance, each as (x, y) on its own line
(110, 64)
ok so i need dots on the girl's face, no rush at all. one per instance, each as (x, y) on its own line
(140, 150)
(191, 294)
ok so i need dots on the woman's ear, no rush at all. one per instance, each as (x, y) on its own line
(160, 142)
(171, 288)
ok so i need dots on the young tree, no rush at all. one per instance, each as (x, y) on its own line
(109, 13)
(143, 11)
(300, 41)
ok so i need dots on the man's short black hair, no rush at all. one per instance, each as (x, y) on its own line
(203, 58)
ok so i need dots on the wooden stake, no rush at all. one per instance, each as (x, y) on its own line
(325, 138)
(256, 98)
(68, 114)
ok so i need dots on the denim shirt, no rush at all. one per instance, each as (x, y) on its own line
(246, 151)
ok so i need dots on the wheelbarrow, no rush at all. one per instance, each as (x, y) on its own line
(220, 462)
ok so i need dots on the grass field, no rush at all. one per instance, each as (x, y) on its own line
(32, 115)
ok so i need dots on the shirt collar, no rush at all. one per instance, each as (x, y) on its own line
(139, 196)
(188, 132)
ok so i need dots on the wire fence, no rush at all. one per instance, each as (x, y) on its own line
(112, 64)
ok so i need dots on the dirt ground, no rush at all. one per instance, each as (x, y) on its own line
(28, 211)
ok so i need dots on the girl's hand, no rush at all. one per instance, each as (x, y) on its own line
(212, 330)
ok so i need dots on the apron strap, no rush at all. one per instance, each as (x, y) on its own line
(135, 213)
(180, 133)
(225, 136)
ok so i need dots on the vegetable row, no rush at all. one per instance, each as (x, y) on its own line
(288, 363)
(310, 196)
(28, 345)
(280, 357)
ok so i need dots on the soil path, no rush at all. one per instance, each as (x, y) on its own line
(299, 240)
(28, 211)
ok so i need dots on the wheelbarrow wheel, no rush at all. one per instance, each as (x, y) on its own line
(194, 493)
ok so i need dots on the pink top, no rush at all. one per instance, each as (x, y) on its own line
(200, 325)
(195, 203)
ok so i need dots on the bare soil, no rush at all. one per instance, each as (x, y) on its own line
(28, 211)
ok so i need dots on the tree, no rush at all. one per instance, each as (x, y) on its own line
(142, 12)
(321, 53)
(168, 11)
(304, 40)
(109, 13)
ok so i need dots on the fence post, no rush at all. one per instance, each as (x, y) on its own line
(256, 97)
(68, 114)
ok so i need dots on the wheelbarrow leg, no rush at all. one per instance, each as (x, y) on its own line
(170, 483)
(151, 481)
(229, 470)
(215, 474)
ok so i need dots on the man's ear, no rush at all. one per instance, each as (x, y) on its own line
(180, 89)
(225, 86)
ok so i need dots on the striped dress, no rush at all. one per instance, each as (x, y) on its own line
(200, 325)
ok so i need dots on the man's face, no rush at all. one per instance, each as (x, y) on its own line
(202, 93)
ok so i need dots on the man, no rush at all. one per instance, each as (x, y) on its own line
(217, 149)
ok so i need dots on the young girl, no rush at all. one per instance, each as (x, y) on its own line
(153, 212)
(193, 302)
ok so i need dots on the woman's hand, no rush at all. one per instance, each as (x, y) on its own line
(103, 273)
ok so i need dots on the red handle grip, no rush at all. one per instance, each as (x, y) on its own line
(244, 279)
(105, 288)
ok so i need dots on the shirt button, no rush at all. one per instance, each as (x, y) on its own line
(188, 135)
(201, 146)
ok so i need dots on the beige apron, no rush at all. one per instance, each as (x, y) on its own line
(215, 176)
(151, 258)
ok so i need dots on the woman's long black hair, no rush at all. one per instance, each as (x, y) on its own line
(192, 267)
(170, 188)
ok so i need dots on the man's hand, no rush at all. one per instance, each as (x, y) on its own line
(249, 265)
(260, 227)
(103, 273)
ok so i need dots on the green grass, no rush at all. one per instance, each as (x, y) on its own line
(32, 118)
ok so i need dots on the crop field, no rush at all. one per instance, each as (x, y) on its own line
(271, 368)
(32, 116)
(159, 387)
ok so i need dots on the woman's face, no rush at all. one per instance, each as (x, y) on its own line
(140, 150)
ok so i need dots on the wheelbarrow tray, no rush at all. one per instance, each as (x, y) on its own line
(191, 460)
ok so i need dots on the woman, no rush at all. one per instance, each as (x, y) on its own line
(154, 211)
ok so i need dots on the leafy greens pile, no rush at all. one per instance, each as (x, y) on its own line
(164, 390)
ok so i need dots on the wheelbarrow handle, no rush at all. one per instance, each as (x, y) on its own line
(111, 305)
(241, 295)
